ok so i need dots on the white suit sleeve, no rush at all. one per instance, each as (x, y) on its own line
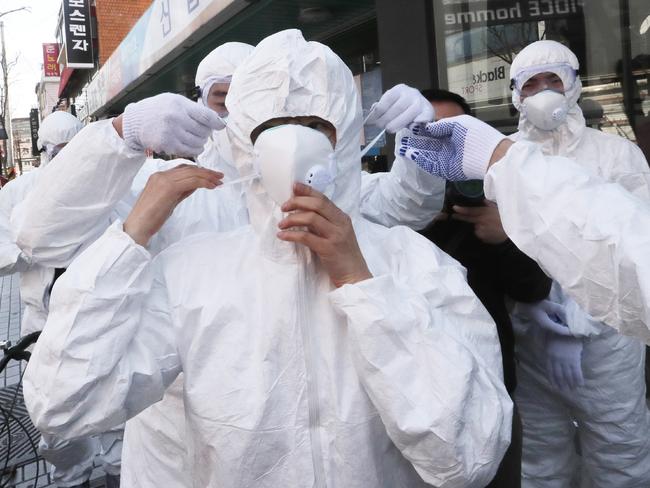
(12, 259)
(108, 349)
(428, 355)
(591, 236)
(406, 195)
(71, 204)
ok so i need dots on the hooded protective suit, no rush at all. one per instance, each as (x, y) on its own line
(287, 382)
(613, 420)
(218, 67)
(77, 202)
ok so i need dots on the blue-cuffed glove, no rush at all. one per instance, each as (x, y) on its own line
(455, 148)
(563, 361)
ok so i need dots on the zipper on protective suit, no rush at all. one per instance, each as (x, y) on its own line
(310, 352)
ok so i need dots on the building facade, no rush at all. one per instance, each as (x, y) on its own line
(462, 45)
(24, 160)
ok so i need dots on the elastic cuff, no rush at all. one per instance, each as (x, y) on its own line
(130, 128)
(478, 151)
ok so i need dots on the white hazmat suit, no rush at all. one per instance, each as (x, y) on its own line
(613, 420)
(286, 381)
(72, 461)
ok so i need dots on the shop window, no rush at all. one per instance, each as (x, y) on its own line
(476, 41)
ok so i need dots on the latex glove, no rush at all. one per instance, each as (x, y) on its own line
(455, 148)
(170, 124)
(548, 315)
(399, 107)
(564, 361)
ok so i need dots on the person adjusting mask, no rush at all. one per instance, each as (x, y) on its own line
(311, 321)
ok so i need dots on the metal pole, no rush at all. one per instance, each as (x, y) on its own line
(7, 121)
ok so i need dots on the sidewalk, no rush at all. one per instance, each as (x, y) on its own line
(27, 463)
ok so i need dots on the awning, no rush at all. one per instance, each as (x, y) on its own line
(65, 77)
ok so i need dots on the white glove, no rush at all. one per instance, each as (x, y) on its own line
(549, 315)
(169, 123)
(563, 361)
(455, 148)
(399, 107)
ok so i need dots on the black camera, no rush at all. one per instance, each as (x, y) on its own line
(467, 193)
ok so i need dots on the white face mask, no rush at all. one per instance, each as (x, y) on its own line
(546, 110)
(289, 153)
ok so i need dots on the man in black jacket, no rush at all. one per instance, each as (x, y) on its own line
(469, 229)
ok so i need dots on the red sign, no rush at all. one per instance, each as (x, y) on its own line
(50, 57)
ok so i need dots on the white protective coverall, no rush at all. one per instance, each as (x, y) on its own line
(613, 420)
(76, 203)
(72, 461)
(287, 382)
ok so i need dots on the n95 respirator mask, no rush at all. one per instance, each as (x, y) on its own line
(546, 110)
(289, 153)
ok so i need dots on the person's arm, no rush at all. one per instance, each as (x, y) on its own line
(108, 349)
(406, 195)
(428, 355)
(593, 237)
(78, 190)
(71, 204)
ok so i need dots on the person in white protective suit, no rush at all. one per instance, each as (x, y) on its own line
(578, 369)
(72, 211)
(88, 197)
(300, 367)
(72, 461)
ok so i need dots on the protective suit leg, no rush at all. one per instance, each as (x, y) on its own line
(549, 459)
(72, 461)
(613, 418)
(111, 450)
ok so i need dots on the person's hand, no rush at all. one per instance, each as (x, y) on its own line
(162, 193)
(321, 226)
(486, 220)
(167, 123)
(563, 361)
(548, 315)
(454, 148)
(399, 107)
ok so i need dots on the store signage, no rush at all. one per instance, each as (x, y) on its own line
(480, 80)
(471, 14)
(50, 60)
(77, 34)
(33, 126)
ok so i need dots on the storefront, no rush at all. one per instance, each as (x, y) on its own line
(477, 40)
(463, 45)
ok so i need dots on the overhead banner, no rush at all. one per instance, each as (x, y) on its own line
(165, 26)
(77, 34)
(33, 126)
(50, 60)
